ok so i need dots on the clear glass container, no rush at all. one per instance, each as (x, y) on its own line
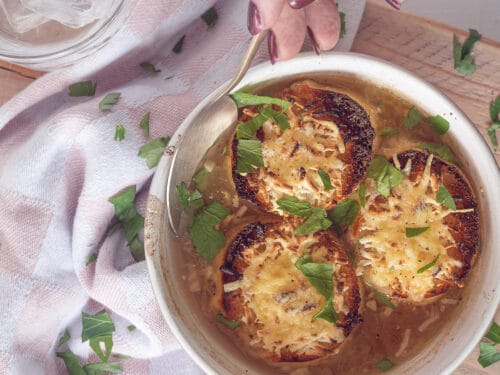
(53, 45)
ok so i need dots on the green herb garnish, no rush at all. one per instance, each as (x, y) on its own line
(439, 124)
(295, 206)
(206, 239)
(413, 232)
(325, 178)
(327, 312)
(384, 300)
(153, 150)
(109, 101)
(316, 222)
(344, 213)
(493, 333)
(131, 221)
(385, 132)
(439, 150)
(362, 195)
(148, 67)
(64, 338)
(444, 196)
(71, 362)
(178, 46)
(231, 324)
(121, 356)
(119, 133)
(243, 99)
(144, 124)
(342, 25)
(98, 329)
(131, 328)
(384, 365)
(429, 265)
(488, 354)
(494, 113)
(103, 368)
(91, 259)
(189, 200)
(278, 117)
(412, 119)
(84, 88)
(386, 176)
(463, 62)
(249, 155)
(210, 17)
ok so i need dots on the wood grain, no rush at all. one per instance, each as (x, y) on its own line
(417, 44)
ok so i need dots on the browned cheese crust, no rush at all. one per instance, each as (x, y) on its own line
(276, 302)
(329, 131)
(391, 265)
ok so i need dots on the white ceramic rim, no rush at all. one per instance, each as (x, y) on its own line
(383, 74)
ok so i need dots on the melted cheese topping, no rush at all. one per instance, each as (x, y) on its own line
(388, 260)
(292, 159)
(281, 302)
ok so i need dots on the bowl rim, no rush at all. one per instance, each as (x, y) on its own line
(313, 64)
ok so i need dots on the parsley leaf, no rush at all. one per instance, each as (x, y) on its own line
(95, 344)
(247, 129)
(362, 195)
(178, 46)
(463, 62)
(325, 178)
(488, 354)
(387, 131)
(148, 67)
(206, 239)
(342, 25)
(131, 221)
(231, 324)
(317, 221)
(153, 150)
(327, 312)
(64, 338)
(243, 99)
(344, 213)
(439, 124)
(144, 124)
(189, 200)
(384, 365)
(384, 300)
(429, 265)
(494, 112)
(71, 362)
(96, 325)
(91, 259)
(109, 101)
(84, 88)
(278, 117)
(495, 109)
(249, 155)
(386, 176)
(295, 206)
(493, 135)
(210, 17)
(444, 196)
(439, 150)
(494, 333)
(320, 275)
(413, 232)
(119, 133)
(102, 368)
(131, 328)
(412, 119)
(121, 356)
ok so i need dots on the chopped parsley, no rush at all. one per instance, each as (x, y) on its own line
(248, 129)
(131, 221)
(64, 338)
(325, 178)
(327, 312)
(98, 329)
(385, 175)
(102, 368)
(413, 232)
(494, 115)
(462, 57)
(295, 206)
(119, 133)
(316, 216)
(342, 25)
(144, 124)
(131, 328)
(249, 155)
(210, 17)
(71, 362)
(178, 46)
(189, 200)
(243, 99)
(440, 150)
(383, 299)
(84, 88)
(231, 324)
(109, 101)
(384, 365)
(206, 239)
(493, 333)
(443, 196)
(429, 265)
(439, 124)
(344, 213)
(488, 353)
(385, 132)
(412, 119)
(148, 67)
(362, 195)
(153, 150)
(91, 259)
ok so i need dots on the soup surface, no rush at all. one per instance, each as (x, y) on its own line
(392, 330)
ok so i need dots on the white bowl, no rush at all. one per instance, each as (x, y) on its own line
(212, 351)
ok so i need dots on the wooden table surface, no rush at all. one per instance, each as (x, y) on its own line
(417, 44)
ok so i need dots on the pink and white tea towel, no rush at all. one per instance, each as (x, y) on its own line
(60, 164)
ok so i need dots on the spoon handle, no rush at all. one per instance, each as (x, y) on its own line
(244, 64)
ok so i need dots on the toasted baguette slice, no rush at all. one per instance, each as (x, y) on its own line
(328, 131)
(424, 266)
(275, 301)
